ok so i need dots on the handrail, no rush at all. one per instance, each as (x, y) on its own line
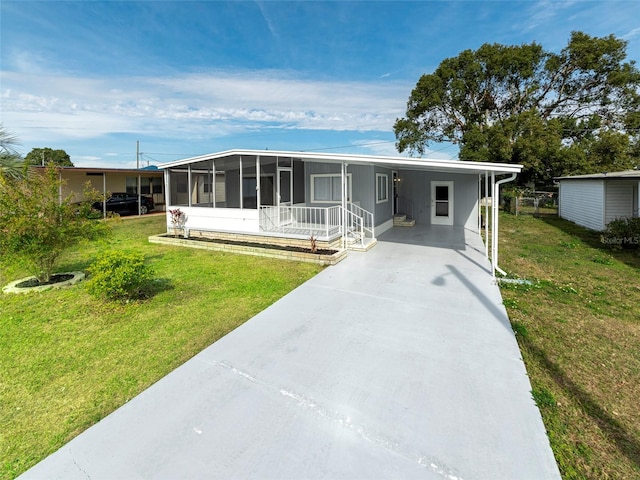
(355, 222)
(366, 216)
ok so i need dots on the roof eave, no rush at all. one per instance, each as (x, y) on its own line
(400, 162)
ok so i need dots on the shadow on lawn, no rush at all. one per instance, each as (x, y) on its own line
(593, 239)
(625, 441)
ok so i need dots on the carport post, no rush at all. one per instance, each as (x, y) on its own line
(139, 196)
(104, 194)
(486, 214)
(343, 172)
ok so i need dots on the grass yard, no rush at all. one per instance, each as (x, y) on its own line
(578, 328)
(67, 360)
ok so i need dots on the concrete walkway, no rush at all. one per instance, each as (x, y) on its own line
(396, 363)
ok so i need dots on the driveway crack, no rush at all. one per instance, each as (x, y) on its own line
(426, 462)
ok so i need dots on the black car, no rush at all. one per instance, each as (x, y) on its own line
(126, 204)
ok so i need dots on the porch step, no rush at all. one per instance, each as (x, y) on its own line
(400, 220)
(369, 243)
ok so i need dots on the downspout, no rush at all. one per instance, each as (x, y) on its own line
(495, 201)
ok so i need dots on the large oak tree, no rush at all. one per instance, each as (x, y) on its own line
(577, 111)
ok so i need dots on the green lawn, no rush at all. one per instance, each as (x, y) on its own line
(67, 359)
(579, 331)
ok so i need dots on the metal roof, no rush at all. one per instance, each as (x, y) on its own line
(627, 174)
(141, 171)
(385, 161)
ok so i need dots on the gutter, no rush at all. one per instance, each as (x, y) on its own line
(494, 223)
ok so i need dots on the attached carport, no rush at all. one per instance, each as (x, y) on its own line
(396, 363)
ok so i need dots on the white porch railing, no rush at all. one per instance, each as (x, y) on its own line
(355, 228)
(298, 220)
(321, 222)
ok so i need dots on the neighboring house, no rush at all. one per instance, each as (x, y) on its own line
(595, 200)
(351, 199)
(111, 180)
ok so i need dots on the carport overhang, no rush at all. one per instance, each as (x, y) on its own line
(489, 171)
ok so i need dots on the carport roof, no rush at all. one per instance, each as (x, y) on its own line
(430, 164)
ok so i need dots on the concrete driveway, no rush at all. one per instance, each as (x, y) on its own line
(396, 363)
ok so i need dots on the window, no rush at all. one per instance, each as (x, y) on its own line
(148, 185)
(325, 188)
(382, 188)
(132, 185)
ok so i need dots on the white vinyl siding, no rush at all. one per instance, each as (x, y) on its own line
(582, 202)
(619, 201)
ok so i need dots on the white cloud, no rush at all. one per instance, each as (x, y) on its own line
(543, 12)
(632, 34)
(217, 104)
(388, 148)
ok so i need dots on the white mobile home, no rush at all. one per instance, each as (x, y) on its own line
(348, 198)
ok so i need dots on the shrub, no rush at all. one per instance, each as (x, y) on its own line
(119, 275)
(622, 232)
(37, 225)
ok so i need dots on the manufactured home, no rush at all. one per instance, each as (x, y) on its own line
(339, 199)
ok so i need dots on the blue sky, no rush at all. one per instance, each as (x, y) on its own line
(187, 78)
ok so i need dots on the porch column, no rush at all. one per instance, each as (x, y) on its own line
(213, 183)
(258, 177)
(190, 185)
(241, 199)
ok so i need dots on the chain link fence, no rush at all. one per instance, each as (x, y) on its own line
(532, 203)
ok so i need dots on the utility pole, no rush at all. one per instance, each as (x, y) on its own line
(138, 154)
(43, 159)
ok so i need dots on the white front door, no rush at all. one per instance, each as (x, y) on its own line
(442, 203)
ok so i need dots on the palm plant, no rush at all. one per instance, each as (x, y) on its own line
(10, 159)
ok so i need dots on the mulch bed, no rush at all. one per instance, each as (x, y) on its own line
(257, 245)
(56, 278)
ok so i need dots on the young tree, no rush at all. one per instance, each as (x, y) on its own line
(45, 156)
(36, 225)
(554, 113)
(10, 159)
